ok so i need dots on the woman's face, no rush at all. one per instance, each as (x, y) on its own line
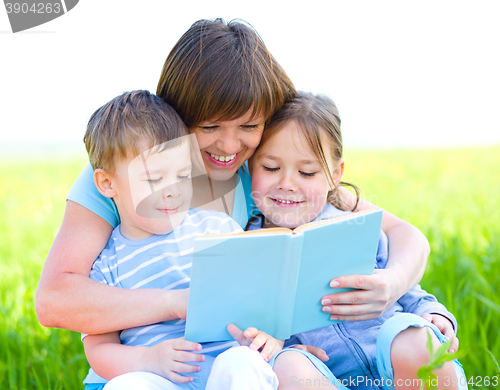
(226, 145)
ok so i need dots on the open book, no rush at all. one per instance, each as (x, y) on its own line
(273, 279)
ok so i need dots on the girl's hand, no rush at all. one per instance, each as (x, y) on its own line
(446, 328)
(318, 352)
(168, 358)
(257, 340)
(374, 294)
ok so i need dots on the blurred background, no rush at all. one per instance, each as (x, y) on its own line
(404, 74)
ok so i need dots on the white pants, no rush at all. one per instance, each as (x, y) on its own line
(238, 368)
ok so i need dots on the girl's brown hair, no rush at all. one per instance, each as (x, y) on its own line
(219, 70)
(316, 116)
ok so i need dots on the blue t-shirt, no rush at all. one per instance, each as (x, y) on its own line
(85, 193)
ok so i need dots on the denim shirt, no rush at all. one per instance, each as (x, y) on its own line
(351, 345)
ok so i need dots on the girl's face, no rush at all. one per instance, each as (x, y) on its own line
(289, 185)
(226, 145)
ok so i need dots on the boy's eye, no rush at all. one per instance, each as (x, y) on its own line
(155, 181)
(269, 169)
(183, 177)
(308, 174)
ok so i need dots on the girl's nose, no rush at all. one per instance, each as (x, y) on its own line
(287, 183)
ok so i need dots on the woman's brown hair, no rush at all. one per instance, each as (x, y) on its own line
(318, 118)
(219, 70)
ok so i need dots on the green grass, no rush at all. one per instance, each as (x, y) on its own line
(450, 195)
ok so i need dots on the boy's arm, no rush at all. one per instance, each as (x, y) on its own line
(109, 359)
(408, 252)
(67, 298)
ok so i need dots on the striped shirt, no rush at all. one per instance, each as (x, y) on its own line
(160, 261)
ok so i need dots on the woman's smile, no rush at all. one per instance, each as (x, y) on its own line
(223, 161)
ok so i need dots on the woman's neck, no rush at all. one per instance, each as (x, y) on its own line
(215, 195)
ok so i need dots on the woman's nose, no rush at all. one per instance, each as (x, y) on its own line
(229, 142)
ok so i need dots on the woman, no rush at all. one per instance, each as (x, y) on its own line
(225, 85)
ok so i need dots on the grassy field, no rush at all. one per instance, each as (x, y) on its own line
(451, 195)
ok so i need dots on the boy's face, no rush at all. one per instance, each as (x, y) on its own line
(289, 185)
(154, 190)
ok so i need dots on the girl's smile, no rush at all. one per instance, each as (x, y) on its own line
(286, 202)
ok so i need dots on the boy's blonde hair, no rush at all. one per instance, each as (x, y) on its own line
(133, 120)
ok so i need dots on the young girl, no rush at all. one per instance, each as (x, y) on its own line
(296, 172)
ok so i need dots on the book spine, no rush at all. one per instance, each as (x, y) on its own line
(286, 287)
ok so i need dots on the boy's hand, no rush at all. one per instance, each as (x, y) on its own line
(257, 340)
(446, 328)
(166, 359)
(318, 352)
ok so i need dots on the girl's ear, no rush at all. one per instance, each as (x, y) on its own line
(338, 171)
(104, 183)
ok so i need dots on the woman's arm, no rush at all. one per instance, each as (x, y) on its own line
(67, 298)
(408, 252)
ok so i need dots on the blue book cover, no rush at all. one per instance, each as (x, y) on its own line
(274, 279)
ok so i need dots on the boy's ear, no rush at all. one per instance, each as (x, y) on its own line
(104, 183)
(338, 171)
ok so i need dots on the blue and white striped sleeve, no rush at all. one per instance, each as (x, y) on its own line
(229, 226)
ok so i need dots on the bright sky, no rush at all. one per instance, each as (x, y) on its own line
(403, 73)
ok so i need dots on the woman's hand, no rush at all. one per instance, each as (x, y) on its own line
(446, 328)
(374, 294)
(180, 303)
(257, 340)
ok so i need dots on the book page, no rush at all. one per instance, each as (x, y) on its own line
(311, 225)
(270, 231)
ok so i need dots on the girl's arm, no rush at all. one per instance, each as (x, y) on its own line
(67, 298)
(408, 252)
(109, 359)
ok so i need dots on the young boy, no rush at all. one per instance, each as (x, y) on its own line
(141, 153)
